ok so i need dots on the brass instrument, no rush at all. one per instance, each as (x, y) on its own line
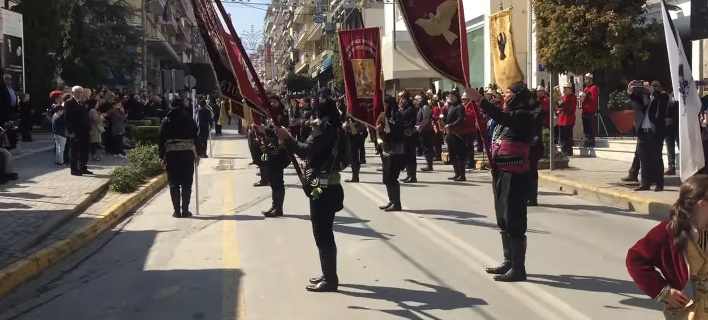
(557, 94)
(352, 126)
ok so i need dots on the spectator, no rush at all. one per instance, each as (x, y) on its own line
(96, 129)
(59, 130)
(8, 100)
(116, 119)
(78, 125)
(25, 117)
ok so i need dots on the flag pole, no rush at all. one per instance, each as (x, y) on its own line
(196, 186)
(259, 85)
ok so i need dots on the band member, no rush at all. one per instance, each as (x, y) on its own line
(389, 127)
(425, 130)
(177, 146)
(545, 103)
(510, 145)
(408, 117)
(277, 159)
(672, 254)
(356, 132)
(469, 130)
(438, 126)
(456, 144)
(324, 189)
(536, 150)
(565, 110)
(589, 98)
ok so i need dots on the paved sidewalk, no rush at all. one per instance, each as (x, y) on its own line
(599, 180)
(43, 199)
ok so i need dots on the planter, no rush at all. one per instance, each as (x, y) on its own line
(544, 164)
(623, 120)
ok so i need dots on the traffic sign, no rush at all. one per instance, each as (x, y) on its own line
(190, 82)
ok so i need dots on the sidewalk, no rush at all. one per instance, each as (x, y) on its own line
(598, 179)
(44, 198)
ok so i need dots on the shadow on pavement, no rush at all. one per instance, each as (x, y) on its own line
(413, 302)
(598, 284)
(342, 225)
(600, 208)
(465, 218)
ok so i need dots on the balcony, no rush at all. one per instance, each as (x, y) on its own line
(170, 26)
(315, 34)
(317, 60)
(159, 45)
(300, 13)
(156, 6)
(300, 40)
(303, 64)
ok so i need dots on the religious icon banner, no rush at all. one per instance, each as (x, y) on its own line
(506, 69)
(361, 67)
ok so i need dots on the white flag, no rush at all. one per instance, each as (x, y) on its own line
(686, 93)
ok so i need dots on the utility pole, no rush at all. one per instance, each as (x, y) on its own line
(144, 59)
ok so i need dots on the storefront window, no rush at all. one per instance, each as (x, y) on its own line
(475, 42)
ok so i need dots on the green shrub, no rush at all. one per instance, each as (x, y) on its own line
(154, 121)
(546, 134)
(145, 158)
(147, 134)
(139, 123)
(125, 179)
(130, 131)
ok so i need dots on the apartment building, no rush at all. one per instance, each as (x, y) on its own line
(171, 40)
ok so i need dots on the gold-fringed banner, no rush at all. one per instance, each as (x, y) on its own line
(506, 69)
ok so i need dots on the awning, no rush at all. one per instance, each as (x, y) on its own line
(327, 63)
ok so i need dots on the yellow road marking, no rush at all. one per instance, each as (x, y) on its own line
(233, 301)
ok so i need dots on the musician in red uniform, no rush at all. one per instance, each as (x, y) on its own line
(589, 98)
(469, 129)
(566, 118)
(545, 104)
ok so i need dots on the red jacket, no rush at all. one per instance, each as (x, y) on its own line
(470, 124)
(546, 106)
(590, 103)
(566, 117)
(656, 250)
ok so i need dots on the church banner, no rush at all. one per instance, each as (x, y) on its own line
(361, 67)
(246, 89)
(506, 69)
(434, 26)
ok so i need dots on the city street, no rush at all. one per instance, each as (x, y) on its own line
(424, 263)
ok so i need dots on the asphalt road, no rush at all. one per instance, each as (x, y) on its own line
(425, 263)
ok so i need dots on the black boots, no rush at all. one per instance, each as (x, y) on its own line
(176, 198)
(518, 262)
(429, 162)
(395, 198)
(186, 197)
(277, 209)
(459, 167)
(506, 265)
(329, 282)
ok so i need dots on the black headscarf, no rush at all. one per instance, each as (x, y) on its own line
(521, 98)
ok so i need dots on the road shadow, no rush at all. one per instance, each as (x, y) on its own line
(344, 224)
(465, 218)
(412, 302)
(600, 208)
(623, 288)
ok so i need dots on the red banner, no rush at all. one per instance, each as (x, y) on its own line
(438, 29)
(244, 83)
(361, 67)
(434, 26)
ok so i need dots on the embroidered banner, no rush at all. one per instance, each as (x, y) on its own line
(361, 67)
(506, 69)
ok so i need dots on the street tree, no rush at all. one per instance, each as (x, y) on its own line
(99, 42)
(585, 35)
(337, 77)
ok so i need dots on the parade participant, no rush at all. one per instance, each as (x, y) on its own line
(469, 130)
(589, 98)
(673, 254)
(177, 150)
(277, 159)
(510, 152)
(425, 130)
(356, 132)
(456, 145)
(565, 110)
(204, 124)
(323, 186)
(408, 117)
(438, 126)
(545, 103)
(294, 116)
(389, 128)
(305, 117)
(536, 150)
(649, 107)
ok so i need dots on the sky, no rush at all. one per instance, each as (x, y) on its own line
(247, 13)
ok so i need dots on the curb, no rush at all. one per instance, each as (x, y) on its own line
(624, 200)
(25, 269)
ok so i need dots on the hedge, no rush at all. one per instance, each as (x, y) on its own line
(146, 134)
(130, 131)
(154, 121)
(143, 163)
(138, 123)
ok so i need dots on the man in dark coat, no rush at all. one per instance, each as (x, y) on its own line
(78, 126)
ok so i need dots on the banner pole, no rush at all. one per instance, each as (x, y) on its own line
(259, 85)
(196, 186)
